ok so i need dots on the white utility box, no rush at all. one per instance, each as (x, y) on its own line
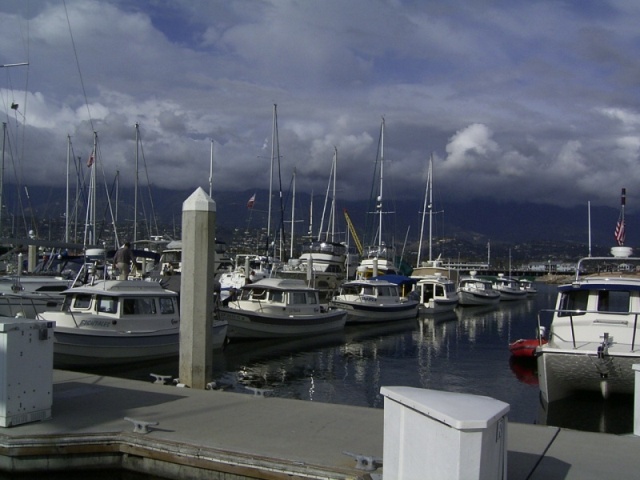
(443, 435)
(26, 370)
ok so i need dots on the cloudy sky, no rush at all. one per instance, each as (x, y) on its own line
(517, 100)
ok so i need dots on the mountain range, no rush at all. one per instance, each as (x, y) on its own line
(477, 223)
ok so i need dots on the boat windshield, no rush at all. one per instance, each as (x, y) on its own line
(571, 301)
(613, 301)
(303, 298)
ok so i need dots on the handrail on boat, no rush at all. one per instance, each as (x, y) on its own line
(22, 301)
(571, 313)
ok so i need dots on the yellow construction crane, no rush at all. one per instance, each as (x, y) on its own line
(352, 229)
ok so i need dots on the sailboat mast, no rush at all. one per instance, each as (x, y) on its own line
(379, 205)
(211, 171)
(66, 208)
(4, 137)
(333, 202)
(273, 153)
(90, 220)
(424, 212)
(293, 213)
(430, 206)
(135, 189)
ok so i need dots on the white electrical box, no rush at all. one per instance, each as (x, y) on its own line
(443, 435)
(26, 370)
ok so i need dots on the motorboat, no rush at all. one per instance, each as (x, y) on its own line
(475, 291)
(279, 308)
(528, 286)
(249, 268)
(323, 264)
(373, 300)
(171, 258)
(112, 322)
(26, 295)
(436, 294)
(593, 339)
(509, 288)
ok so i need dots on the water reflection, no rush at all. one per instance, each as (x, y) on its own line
(466, 351)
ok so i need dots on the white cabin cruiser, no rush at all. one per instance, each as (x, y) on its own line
(594, 337)
(509, 288)
(279, 308)
(373, 300)
(117, 321)
(436, 294)
(475, 291)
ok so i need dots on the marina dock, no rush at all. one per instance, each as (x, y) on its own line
(164, 430)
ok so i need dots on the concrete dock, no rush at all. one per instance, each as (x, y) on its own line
(178, 432)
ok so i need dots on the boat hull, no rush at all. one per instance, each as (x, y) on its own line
(77, 347)
(359, 312)
(473, 299)
(507, 295)
(438, 306)
(246, 324)
(564, 372)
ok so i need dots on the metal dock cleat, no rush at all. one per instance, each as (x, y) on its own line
(140, 426)
(365, 462)
(160, 378)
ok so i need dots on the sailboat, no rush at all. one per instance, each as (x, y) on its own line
(323, 259)
(252, 267)
(379, 258)
(436, 292)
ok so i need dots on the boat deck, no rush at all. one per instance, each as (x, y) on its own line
(258, 436)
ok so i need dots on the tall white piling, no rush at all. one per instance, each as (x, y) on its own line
(196, 289)
(636, 399)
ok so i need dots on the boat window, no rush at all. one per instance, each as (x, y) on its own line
(167, 307)
(258, 294)
(311, 298)
(440, 291)
(349, 290)
(572, 301)
(139, 306)
(427, 292)
(297, 298)
(107, 304)
(82, 301)
(613, 301)
(368, 290)
(277, 296)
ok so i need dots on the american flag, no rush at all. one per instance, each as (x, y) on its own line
(619, 233)
(251, 201)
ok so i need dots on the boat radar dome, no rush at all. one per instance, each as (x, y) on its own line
(621, 251)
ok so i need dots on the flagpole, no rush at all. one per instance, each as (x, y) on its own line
(620, 227)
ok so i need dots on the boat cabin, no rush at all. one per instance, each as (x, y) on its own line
(257, 293)
(120, 300)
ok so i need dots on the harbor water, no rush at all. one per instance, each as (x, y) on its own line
(466, 351)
